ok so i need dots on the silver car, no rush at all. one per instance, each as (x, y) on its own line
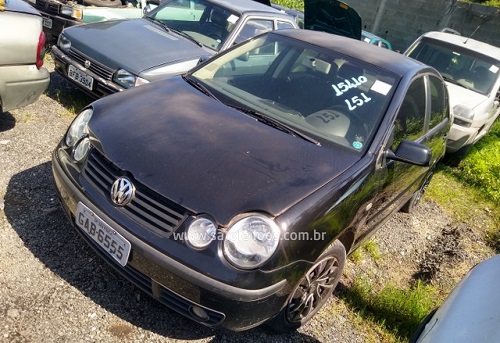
(22, 76)
(471, 313)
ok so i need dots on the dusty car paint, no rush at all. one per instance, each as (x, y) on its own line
(186, 150)
(471, 312)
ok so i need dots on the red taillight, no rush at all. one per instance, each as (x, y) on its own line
(40, 50)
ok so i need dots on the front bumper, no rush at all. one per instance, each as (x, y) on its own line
(174, 284)
(102, 86)
(459, 137)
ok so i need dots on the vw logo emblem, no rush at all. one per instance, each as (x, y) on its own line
(122, 191)
(87, 64)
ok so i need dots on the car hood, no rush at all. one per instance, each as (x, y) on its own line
(207, 156)
(462, 96)
(125, 43)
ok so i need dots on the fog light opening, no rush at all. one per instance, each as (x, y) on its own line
(199, 313)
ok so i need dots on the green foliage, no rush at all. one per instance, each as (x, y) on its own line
(481, 167)
(294, 4)
(493, 3)
(399, 311)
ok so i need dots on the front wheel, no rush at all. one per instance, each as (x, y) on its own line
(313, 290)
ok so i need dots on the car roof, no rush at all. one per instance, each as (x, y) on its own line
(243, 6)
(381, 58)
(467, 43)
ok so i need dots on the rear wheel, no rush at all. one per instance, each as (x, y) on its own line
(313, 290)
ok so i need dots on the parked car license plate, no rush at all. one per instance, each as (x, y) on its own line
(107, 238)
(47, 22)
(80, 77)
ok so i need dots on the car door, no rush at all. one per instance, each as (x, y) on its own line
(423, 117)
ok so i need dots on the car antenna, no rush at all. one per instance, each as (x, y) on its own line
(484, 20)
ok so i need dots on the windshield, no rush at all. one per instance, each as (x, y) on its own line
(325, 95)
(203, 21)
(458, 65)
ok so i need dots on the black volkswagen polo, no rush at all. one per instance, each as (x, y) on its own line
(233, 193)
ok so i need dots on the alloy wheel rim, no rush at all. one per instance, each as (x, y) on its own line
(313, 290)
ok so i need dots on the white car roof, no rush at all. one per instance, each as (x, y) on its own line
(467, 43)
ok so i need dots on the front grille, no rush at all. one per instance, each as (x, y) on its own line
(148, 209)
(95, 67)
(47, 6)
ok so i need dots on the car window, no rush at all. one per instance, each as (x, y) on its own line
(438, 107)
(332, 97)
(411, 116)
(284, 25)
(252, 28)
(208, 24)
(467, 68)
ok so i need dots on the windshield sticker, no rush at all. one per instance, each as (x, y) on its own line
(357, 101)
(357, 145)
(381, 87)
(354, 82)
(494, 69)
(232, 19)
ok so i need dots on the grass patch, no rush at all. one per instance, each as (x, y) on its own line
(470, 192)
(369, 247)
(397, 311)
(294, 4)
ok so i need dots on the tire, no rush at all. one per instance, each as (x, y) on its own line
(312, 291)
(103, 3)
(414, 201)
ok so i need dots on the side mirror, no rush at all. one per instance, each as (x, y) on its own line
(412, 153)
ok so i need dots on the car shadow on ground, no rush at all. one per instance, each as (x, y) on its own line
(32, 209)
(68, 95)
(7, 121)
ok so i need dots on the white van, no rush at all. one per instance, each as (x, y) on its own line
(471, 70)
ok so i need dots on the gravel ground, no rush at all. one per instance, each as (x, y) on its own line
(54, 289)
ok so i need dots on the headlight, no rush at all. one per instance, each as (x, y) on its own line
(81, 149)
(63, 42)
(251, 241)
(463, 112)
(127, 79)
(201, 232)
(71, 11)
(78, 127)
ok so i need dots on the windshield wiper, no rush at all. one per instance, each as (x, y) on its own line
(276, 124)
(199, 86)
(159, 23)
(185, 35)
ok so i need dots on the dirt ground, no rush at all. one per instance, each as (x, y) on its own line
(54, 289)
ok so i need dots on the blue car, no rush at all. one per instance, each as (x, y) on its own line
(370, 38)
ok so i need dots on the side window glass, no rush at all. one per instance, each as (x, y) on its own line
(411, 117)
(437, 101)
(252, 28)
(284, 25)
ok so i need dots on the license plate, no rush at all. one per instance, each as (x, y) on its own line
(105, 236)
(47, 22)
(80, 77)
